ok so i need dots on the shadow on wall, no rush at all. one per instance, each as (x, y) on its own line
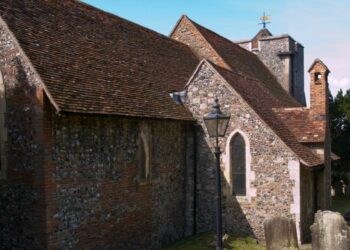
(234, 219)
(20, 198)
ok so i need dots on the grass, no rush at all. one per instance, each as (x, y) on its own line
(340, 204)
(206, 241)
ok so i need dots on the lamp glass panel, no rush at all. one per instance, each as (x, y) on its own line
(211, 125)
(222, 126)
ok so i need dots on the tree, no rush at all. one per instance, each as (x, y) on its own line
(340, 129)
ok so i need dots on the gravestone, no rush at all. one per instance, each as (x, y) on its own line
(338, 189)
(330, 231)
(280, 234)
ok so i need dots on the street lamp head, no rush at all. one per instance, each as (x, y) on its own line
(216, 122)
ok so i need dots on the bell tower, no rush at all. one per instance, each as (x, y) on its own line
(319, 94)
(282, 55)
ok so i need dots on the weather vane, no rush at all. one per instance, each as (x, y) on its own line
(265, 20)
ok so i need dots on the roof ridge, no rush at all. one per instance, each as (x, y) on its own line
(219, 36)
(93, 76)
(289, 138)
(292, 108)
(253, 56)
(318, 60)
(203, 36)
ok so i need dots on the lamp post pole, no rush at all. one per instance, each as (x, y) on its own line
(216, 123)
(218, 198)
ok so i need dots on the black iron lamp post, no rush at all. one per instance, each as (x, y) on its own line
(216, 123)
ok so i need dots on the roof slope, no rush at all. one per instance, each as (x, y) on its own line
(303, 124)
(262, 102)
(244, 62)
(94, 62)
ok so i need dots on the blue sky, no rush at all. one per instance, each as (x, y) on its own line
(322, 26)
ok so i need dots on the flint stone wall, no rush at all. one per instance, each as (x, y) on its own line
(97, 201)
(71, 180)
(269, 162)
(289, 70)
(21, 189)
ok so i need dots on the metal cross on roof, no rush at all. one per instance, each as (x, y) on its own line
(265, 20)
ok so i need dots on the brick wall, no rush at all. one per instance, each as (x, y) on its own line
(319, 90)
(319, 107)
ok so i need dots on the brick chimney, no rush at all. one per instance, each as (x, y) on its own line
(319, 93)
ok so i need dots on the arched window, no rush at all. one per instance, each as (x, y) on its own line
(3, 131)
(143, 159)
(238, 165)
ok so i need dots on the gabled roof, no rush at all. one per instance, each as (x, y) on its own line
(303, 124)
(259, 98)
(263, 33)
(318, 61)
(94, 62)
(242, 61)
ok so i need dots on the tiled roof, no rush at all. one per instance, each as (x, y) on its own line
(262, 102)
(305, 127)
(246, 63)
(94, 62)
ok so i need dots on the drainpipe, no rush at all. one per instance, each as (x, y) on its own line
(194, 212)
(315, 191)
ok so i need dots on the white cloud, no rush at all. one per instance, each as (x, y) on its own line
(336, 84)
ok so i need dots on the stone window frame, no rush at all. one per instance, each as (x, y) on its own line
(237, 150)
(3, 130)
(144, 141)
(250, 46)
(250, 174)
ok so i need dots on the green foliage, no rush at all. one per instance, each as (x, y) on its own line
(206, 241)
(340, 128)
(340, 204)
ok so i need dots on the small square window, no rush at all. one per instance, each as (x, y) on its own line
(318, 77)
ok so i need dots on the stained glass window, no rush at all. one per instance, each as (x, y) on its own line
(238, 165)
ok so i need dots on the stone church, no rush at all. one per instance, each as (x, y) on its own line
(102, 138)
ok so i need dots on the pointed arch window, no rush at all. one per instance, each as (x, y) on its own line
(3, 131)
(238, 165)
(143, 159)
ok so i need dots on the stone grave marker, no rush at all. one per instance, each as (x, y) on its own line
(280, 234)
(330, 231)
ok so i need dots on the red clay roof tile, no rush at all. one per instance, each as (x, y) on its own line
(246, 63)
(262, 102)
(94, 62)
(302, 124)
